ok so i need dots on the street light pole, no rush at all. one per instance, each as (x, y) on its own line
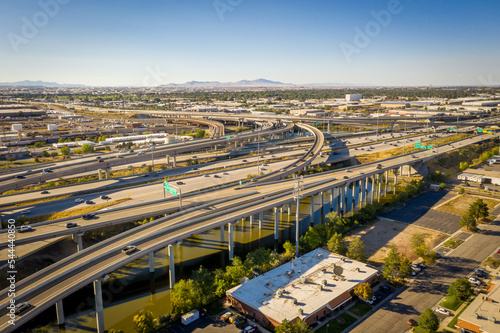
(297, 195)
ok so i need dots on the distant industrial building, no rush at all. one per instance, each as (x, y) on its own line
(307, 112)
(353, 97)
(17, 127)
(482, 103)
(395, 105)
(306, 289)
(483, 314)
(51, 127)
(73, 144)
(481, 176)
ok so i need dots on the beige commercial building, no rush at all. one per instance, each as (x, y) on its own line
(316, 284)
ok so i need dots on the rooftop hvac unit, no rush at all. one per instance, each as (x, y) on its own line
(474, 314)
(303, 279)
(492, 319)
(294, 300)
(320, 255)
(301, 312)
(320, 287)
(324, 282)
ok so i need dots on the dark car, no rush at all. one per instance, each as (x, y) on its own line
(180, 183)
(385, 289)
(379, 166)
(104, 197)
(88, 216)
(89, 202)
(480, 273)
(44, 192)
(346, 177)
(71, 225)
(240, 321)
(20, 177)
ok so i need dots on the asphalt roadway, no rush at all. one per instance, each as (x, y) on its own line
(432, 284)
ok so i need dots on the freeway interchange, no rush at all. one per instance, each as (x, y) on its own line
(202, 211)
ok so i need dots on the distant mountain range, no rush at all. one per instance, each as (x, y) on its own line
(242, 83)
(28, 83)
(192, 84)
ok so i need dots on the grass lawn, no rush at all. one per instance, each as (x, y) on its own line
(360, 308)
(492, 262)
(337, 325)
(454, 321)
(451, 303)
(453, 243)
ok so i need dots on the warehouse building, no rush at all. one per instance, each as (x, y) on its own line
(316, 284)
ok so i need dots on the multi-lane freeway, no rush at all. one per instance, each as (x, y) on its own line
(59, 280)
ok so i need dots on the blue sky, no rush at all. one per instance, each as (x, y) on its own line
(125, 42)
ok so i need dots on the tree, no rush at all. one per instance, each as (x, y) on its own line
(468, 221)
(65, 151)
(464, 166)
(417, 240)
(11, 159)
(45, 153)
(479, 209)
(396, 267)
(364, 291)
(428, 321)
(296, 327)
(289, 249)
(38, 144)
(184, 297)
(145, 322)
(461, 289)
(54, 153)
(61, 140)
(86, 148)
(462, 190)
(356, 249)
(337, 244)
(442, 186)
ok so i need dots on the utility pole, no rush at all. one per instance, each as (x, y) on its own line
(297, 195)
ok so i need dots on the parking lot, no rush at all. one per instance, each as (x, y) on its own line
(211, 324)
(418, 211)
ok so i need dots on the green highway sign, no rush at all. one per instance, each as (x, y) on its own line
(480, 130)
(228, 137)
(419, 145)
(170, 189)
(451, 128)
(316, 124)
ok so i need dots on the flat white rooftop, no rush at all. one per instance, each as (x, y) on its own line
(281, 292)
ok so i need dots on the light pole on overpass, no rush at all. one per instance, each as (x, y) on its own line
(152, 147)
(297, 195)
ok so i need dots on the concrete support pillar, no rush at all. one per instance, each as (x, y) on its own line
(346, 190)
(175, 162)
(151, 256)
(251, 220)
(99, 309)
(261, 220)
(276, 223)
(222, 234)
(386, 181)
(231, 244)
(99, 172)
(321, 203)
(331, 199)
(167, 160)
(362, 185)
(379, 185)
(329, 128)
(311, 213)
(409, 170)
(107, 173)
(354, 194)
(171, 265)
(395, 180)
(79, 241)
(290, 208)
(373, 189)
(60, 312)
(338, 202)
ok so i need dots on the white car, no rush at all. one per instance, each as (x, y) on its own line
(475, 280)
(79, 200)
(442, 311)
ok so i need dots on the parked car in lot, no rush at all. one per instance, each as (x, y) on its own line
(233, 318)
(411, 322)
(24, 228)
(442, 311)
(474, 280)
(129, 249)
(225, 316)
(385, 289)
(88, 216)
(240, 321)
(416, 267)
(250, 329)
(71, 225)
(478, 272)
